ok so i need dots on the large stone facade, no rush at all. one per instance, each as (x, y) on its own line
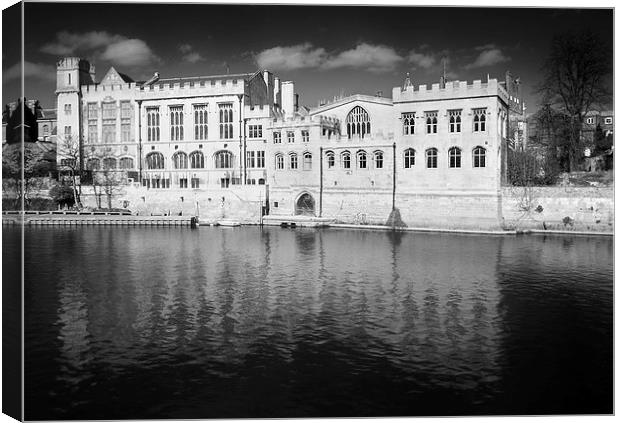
(436, 153)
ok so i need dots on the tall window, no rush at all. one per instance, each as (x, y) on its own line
(279, 161)
(197, 160)
(46, 130)
(176, 123)
(290, 136)
(455, 120)
(480, 120)
(92, 122)
(126, 163)
(307, 161)
(277, 137)
(431, 158)
(361, 160)
(255, 131)
(479, 157)
(152, 123)
(408, 123)
(345, 159)
(223, 159)
(125, 121)
(454, 156)
(431, 122)
(293, 160)
(109, 163)
(67, 109)
(378, 159)
(155, 160)
(226, 119)
(305, 135)
(358, 122)
(409, 158)
(179, 159)
(250, 159)
(200, 121)
(109, 123)
(331, 160)
(260, 159)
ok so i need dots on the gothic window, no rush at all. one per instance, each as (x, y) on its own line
(179, 160)
(223, 159)
(331, 160)
(155, 160)
(431, 122)
(455, 120)
(197, 160)
(345, 159)
(431, 158)
(293, 160)
(226, 119)
(408, 123)
(362, 162)
(454, 156)
(307, 161)
(480, 120)
(409, 158)
(279, 161)
(479, 156)
(176, 123)
(200, 121)
(126, 163)
(378, 159)
(125, 121)
(109, 163)
(152, 123)
(358, 122)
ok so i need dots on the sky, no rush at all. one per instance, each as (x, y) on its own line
(326, 50)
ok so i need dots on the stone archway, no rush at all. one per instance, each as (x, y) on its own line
(305, 205)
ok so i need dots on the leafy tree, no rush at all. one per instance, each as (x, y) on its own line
(576, 78)
(62, 195)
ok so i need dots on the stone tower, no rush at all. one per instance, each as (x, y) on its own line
(71, 73)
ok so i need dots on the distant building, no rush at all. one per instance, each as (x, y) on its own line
(594, 118)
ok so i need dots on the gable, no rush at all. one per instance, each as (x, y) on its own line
(114, 77)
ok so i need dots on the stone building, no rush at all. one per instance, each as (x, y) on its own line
(434, 152)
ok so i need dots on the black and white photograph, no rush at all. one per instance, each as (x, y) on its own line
(298, 210)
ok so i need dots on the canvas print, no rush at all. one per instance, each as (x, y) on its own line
(288, 211)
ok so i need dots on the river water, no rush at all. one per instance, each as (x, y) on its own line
(250, 322)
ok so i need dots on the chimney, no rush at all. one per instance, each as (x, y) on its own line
(153, 79)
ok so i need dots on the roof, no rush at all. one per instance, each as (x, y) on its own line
(195, 79)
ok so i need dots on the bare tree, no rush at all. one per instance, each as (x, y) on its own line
(23, 165)
(106, 180)
(69, 153)
(576, 77)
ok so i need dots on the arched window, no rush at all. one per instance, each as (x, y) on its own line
(109, 163)
(345, 159)
(307, 161)
(480, 155)
(454, 156)
(261, 181)
(431, 158)
(331, 160)
(197, 160)
(358, 122)
(378, 159)
(409, 158)
(46, 130)
(279, 161)
(293, 161)
(223, 159)
(93, 164)
(155, 160)
(361, 160)
(126, 163)
(179, 160)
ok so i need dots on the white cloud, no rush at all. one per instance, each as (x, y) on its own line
(290, 58)
(193, 57)
(185, 48)
(421, 60)
(31, 70)
(115, 48)
(374, 58)
(129, 53)
(488, 57)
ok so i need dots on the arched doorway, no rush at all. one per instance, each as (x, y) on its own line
(305, 205)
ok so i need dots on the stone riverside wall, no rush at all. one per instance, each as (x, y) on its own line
(559, 208)
(514, 208)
